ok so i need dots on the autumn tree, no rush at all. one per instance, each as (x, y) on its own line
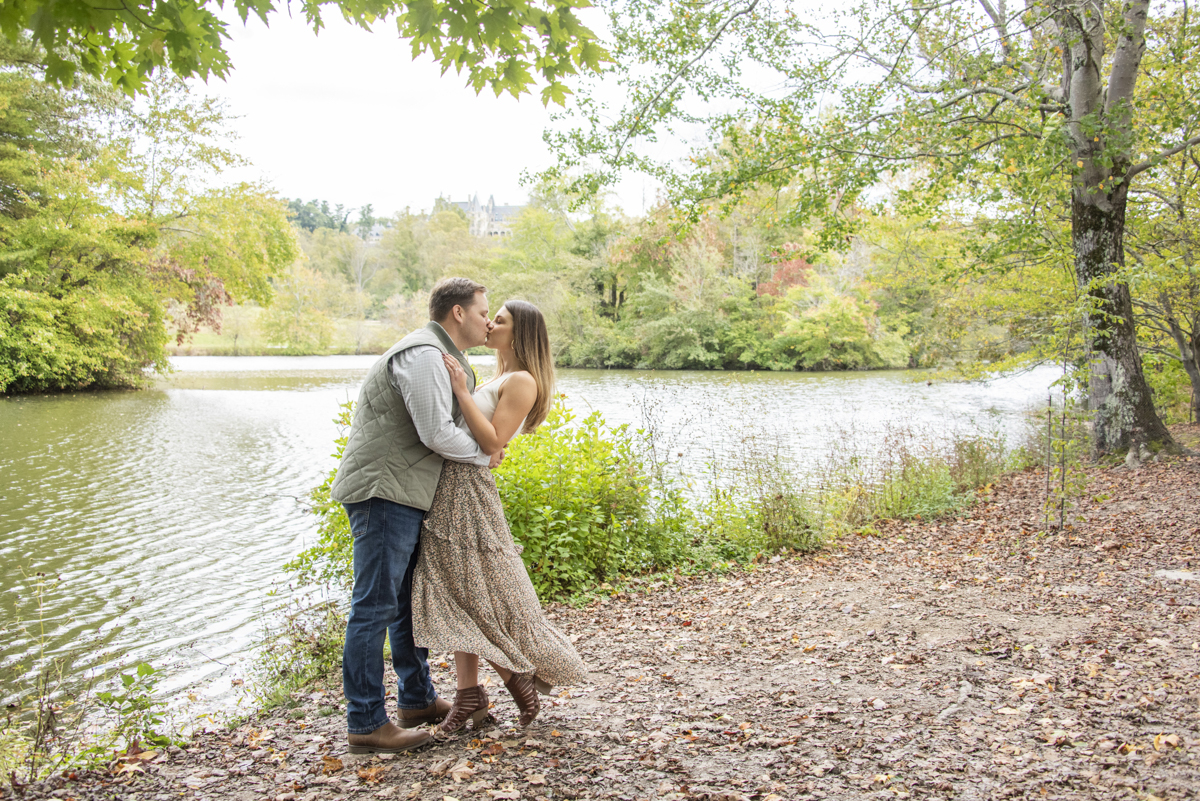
(102, 238)
(990, 103)
(208, 244)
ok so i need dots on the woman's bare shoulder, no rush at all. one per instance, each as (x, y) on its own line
(522, 379)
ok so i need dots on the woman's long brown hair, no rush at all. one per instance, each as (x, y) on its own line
(531, 347)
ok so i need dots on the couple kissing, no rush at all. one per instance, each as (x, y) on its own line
(435, 565)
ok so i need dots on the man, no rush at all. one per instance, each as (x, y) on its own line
(404, 427)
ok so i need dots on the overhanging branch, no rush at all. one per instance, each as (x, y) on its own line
(675, 78)
(1158, 157)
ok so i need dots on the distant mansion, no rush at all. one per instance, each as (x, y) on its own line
(489, 219)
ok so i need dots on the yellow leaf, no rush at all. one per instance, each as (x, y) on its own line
(1164, 741)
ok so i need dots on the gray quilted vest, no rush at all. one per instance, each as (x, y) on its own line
(384, 457)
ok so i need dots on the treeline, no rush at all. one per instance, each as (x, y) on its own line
(744, 292)
(739, 291)
(115, 231)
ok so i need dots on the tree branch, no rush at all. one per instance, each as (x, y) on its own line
(1158, 157)
(674, 78)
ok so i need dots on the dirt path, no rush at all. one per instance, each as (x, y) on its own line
(970, 658)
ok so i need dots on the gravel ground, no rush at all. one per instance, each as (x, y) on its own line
(974, 657)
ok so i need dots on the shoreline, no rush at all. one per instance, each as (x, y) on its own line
(283, 353)
(975, 650)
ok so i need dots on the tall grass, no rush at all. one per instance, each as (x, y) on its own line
(915, 473)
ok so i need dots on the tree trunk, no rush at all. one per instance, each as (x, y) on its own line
(1123, 411)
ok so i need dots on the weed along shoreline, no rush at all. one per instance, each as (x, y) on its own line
(980, 654)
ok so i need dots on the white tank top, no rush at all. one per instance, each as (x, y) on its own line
(487, 397)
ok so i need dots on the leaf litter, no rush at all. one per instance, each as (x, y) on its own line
(980, 656)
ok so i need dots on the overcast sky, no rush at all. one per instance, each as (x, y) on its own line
(347, 116)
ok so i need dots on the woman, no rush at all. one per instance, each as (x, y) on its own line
(471, 594)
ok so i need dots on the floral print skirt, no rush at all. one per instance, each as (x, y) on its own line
(470, 591)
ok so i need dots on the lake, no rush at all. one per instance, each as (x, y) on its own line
(161, 517)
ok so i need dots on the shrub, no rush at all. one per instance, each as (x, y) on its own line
(134, 713)
(302, 644)
(589, 502)
(578, 497)
(331, 560)
(760, 508)
(917, 473)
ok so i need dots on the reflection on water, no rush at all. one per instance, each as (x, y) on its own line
(167, 513)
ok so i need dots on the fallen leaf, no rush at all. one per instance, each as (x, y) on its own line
(372, 775)
(535, 779)
(495, 749)
(331, 765)
(257, 737)
(1164, 741)
(462, 770)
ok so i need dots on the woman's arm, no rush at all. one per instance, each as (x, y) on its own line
(516, 399)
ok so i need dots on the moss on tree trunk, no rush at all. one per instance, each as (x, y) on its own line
(1119, 396)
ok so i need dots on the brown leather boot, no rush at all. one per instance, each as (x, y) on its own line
(469, 704)
(524, 692)
(434, 713)
(387, 739)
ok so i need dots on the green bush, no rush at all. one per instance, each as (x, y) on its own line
(916, 474)
(302, 644)
(62, 338)
(758, 510)
(590, 503)
(331, 560)
(579, 498)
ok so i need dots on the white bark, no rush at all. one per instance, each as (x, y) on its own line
(1082, 26)
(1131, 46)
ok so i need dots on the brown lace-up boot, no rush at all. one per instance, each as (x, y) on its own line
(469, 704)
(524, 692)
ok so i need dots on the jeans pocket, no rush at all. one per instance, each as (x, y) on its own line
(359, 515)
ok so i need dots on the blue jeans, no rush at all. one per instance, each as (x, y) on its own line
(386, 538)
